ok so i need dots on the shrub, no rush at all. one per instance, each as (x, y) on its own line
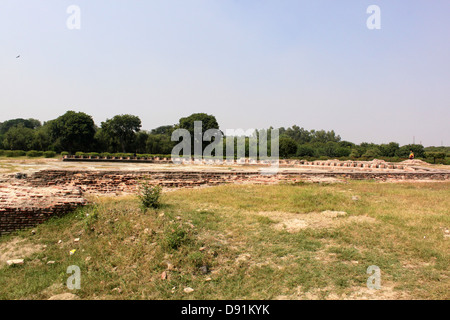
(49, 154)
(175, 237)
(64, 153)
(93, 154)
(149, 195)
(34, 154)
(79, 154)
(15, 153)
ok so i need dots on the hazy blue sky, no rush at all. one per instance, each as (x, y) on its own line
(250, 63)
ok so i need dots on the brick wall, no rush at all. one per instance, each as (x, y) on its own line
(22, 206)
(127, 181)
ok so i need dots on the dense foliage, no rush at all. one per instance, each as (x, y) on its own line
(75, 132)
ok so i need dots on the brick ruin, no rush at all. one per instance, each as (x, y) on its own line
(23, 206)
(374, 164)
(27, 200)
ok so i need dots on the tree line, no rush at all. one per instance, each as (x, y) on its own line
(77, 132)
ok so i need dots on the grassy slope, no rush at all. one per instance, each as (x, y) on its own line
(122, 247)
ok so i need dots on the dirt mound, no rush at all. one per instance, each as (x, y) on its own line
(415, 162)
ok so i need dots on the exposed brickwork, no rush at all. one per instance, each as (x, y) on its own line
(23, 206)
(341, 165)
(113, 181)
(29, 199)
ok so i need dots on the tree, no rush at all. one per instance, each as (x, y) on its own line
(41, 140)
(208, 122)
(300, 135)
(305, 150)
(371, 153)
(26, 123)
(141, 141)
(324, 136)
(389, 150)
(121, 131)
(287, 147)
(18, 138)
(159, 144)
(167, 130)
(435, 155)
(73, 131)
(418, 149)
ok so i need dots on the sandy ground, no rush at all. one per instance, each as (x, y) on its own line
(8, 166)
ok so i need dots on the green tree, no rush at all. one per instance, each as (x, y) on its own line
(435, 155)
(371, 153)
(18, 138)
(167, 130)
(305, 150)
(121, 131)
(418, 149)
(287, 146)
(208, 122)
(389, 150)
(300, 135)
(159, 144)
(73, 131)
(41, 140)
(26, 123)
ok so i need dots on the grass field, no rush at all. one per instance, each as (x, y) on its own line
(305, 241)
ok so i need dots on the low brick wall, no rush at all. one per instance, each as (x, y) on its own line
(331, 164)
(23, 206)
(127, 181)
(27, 200)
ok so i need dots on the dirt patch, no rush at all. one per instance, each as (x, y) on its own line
(294, 222)
(17, 249)
(387, 291)
(65, 296)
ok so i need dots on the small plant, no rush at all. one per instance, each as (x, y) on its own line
(149, 195)
(91, 217)
(175, 237)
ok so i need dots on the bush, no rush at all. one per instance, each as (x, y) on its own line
(175, 237)
(64, 153)
(15, 153)
(93, 154)
(34, 154)
(79, 154)
(105, 155)
(49, 154)
(149, 195)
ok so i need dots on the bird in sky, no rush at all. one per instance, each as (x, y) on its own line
(18, 56)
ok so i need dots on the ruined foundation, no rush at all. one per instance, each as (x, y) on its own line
(29, 199)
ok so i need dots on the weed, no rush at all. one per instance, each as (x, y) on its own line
(149, 195)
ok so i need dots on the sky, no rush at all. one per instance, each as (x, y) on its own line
(250, 63)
